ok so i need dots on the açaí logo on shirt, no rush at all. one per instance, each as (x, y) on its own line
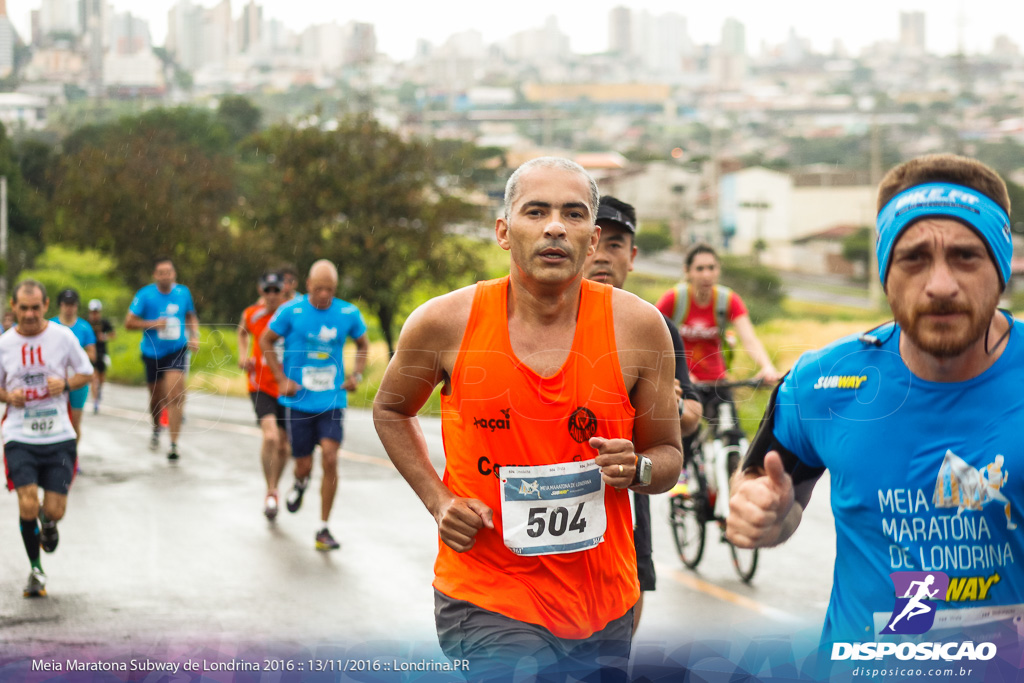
(492, 423)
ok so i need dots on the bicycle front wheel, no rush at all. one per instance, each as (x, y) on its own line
(686, 514)
(743, 560)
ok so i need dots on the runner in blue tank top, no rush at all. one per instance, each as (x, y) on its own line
(917, 422)
(313, 382)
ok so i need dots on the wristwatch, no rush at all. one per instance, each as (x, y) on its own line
(644, 471)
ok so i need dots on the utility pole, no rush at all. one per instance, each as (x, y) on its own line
(874, 283)
(3, 242)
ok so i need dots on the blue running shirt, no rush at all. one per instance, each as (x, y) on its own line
(926, 476)
(149, 304)
(313, 343)
(82, 329)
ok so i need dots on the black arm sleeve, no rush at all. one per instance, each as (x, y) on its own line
(682, 371)
(765, 441)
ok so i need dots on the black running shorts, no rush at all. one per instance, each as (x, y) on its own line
(50, 466)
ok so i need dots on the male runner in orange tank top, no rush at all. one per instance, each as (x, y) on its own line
(557, 397)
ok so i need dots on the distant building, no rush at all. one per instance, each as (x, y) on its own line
(323, 46)
(729, 63)
(8, 39)
(912, 33)
(360, 43)
(60, 16)
(541, 46)
(184, 34)
(132, 75)
(620, 31)
(22, 112)
(128, 35)
(758, 206)
(250, 28)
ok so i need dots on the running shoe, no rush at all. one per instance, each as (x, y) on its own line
(173, 453)
(36, 586)
(325, 542)
(48, 536)
(294, 500)
(270, 506)
(154, 441)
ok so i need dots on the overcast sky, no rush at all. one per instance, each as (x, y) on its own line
(400, 22)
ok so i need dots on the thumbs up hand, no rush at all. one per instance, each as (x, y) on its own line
(759, 506)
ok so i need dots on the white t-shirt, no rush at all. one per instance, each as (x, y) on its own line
(25, 363)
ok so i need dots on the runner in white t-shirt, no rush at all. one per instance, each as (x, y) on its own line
(39, 439)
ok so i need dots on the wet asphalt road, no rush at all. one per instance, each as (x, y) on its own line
(174, 559)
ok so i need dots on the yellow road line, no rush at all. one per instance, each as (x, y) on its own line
(233, 428)
(725, 595)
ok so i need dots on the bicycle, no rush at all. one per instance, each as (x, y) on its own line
(718, 449)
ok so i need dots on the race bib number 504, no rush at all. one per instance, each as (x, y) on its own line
(552, 509)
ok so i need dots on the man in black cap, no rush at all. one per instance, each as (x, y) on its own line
(611, 263)
(67, 302)
(263, 387)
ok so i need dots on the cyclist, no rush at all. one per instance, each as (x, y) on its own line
(703, 309)
(611, 263)
(914, 412)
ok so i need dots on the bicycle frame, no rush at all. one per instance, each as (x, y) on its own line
(718, 450)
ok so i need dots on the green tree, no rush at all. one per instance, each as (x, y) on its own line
(760, 287)
(1016, 193)
(25, 210)
(857, 246)
(240, 116)
(161, 183)
(89, 272)
(359, 195)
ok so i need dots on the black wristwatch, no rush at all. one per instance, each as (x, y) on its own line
(644, 471)
(67, 387)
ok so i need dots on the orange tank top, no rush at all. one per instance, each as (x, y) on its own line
(500, 413)
(260, 378)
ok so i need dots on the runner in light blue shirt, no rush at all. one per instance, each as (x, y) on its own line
(313, 382)
(167, 316)
(917, 421)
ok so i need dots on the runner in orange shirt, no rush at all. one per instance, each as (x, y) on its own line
(556, 400)
(263, 388)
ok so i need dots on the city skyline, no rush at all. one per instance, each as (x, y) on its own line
(874, 21)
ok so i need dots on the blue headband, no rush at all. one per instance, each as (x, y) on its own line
(945, 200)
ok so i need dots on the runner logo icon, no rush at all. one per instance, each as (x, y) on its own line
(916, 597)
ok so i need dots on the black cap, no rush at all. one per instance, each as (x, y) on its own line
(606, 212)
(67, 296)
(269, 280)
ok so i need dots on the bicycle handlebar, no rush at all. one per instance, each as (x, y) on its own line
(733, 384)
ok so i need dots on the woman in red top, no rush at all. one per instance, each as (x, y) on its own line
(698, 318)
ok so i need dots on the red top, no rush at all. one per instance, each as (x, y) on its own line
(255, 320)
(501, 413)
(701, 334)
